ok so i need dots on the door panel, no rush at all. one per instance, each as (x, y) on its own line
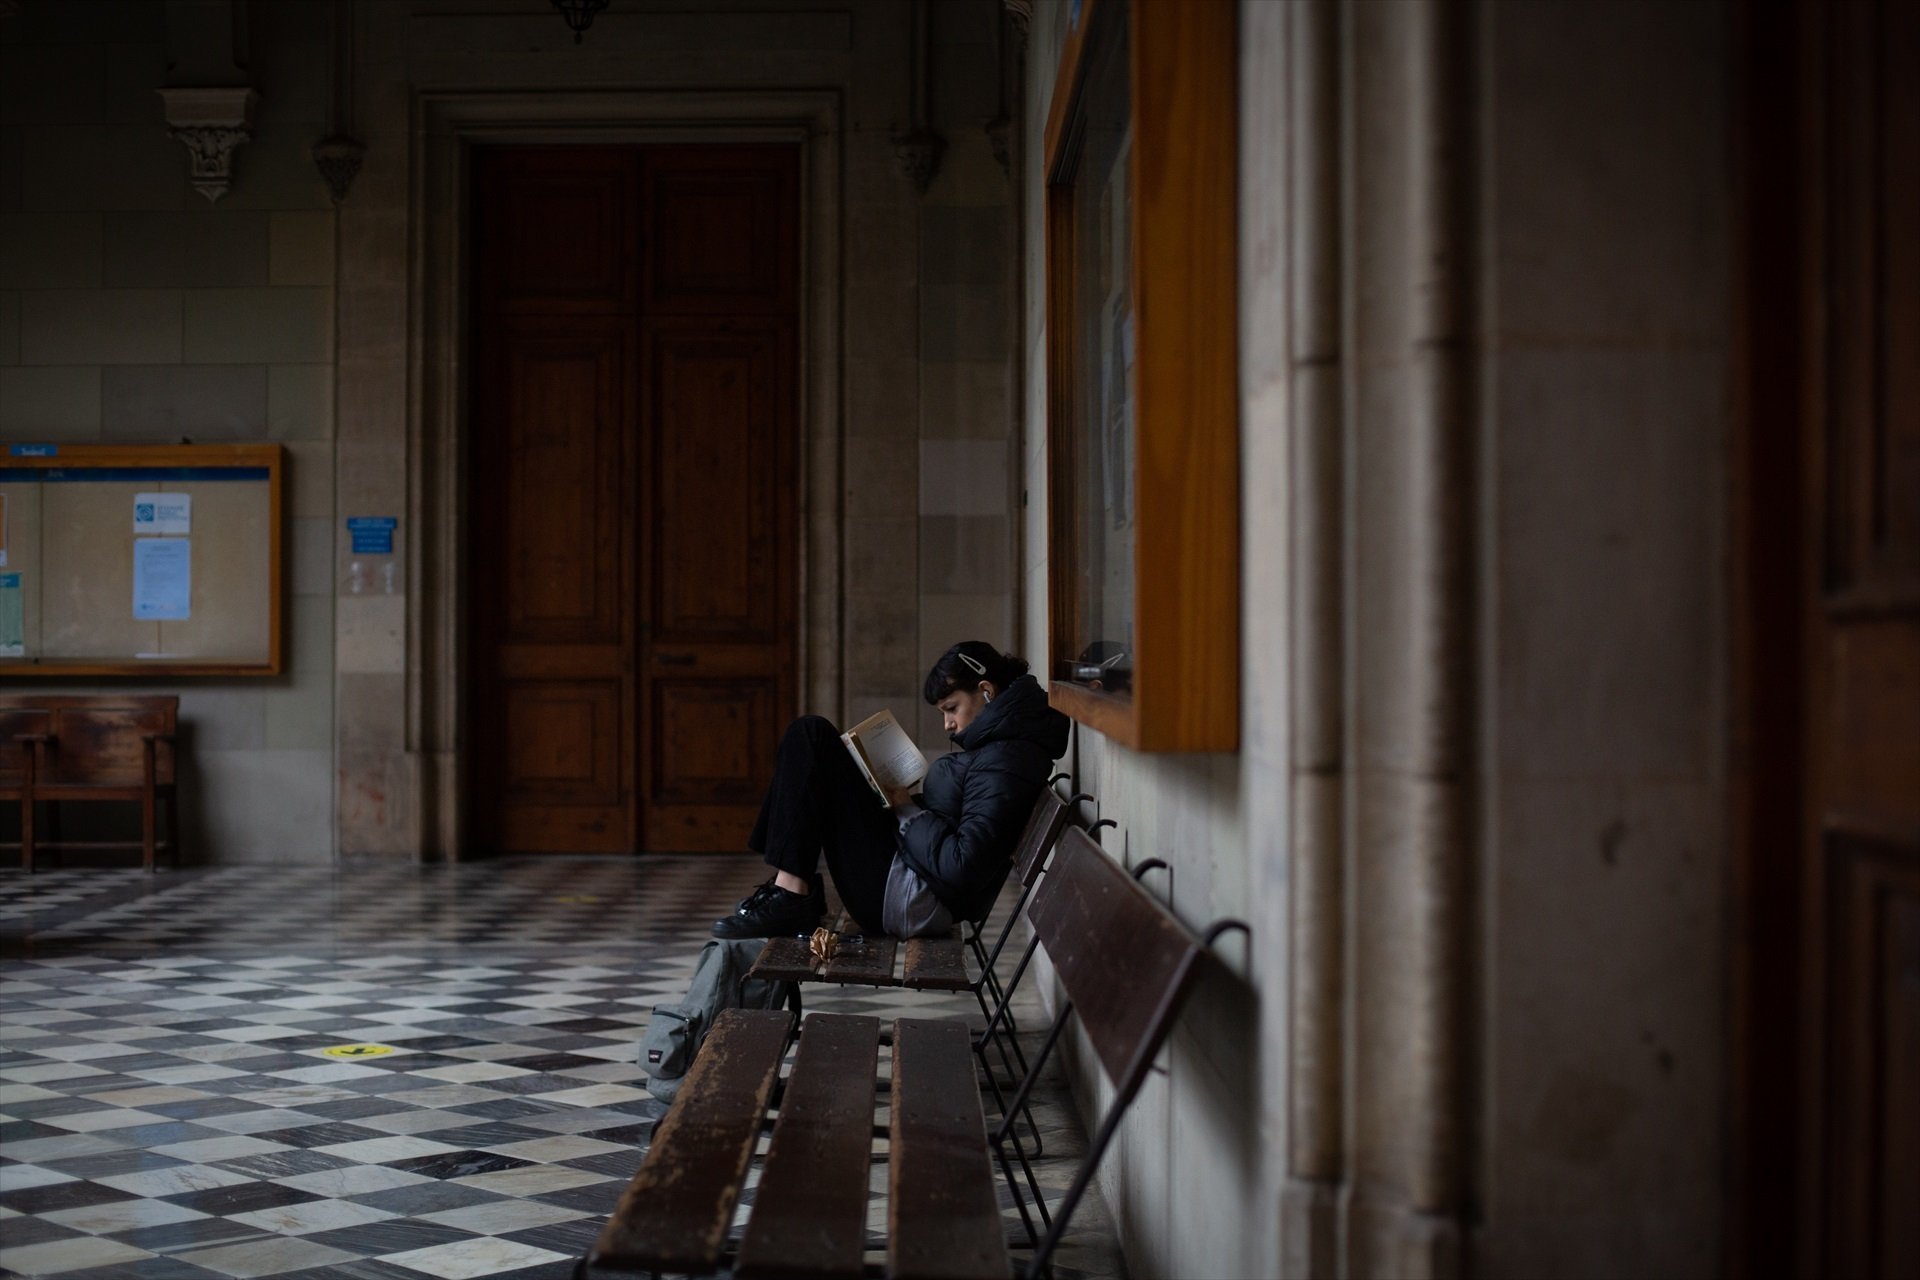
(715, 507)
(633, 516)
(1860, 881)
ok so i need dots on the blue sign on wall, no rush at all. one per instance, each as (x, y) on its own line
(372, 535)
(35, 451)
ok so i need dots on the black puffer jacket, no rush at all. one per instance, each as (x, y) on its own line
(977, 798)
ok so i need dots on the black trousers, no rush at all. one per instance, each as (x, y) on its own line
(820, 803)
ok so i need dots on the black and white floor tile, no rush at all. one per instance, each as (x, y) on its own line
(168, 1108)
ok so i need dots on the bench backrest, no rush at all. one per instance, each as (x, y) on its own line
(96, 739)
(1125, 962)
(1043, 826)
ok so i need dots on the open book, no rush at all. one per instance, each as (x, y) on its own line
(885, 754)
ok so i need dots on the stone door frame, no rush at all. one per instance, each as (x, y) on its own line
(445, 126)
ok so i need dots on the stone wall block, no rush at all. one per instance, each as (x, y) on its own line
(58, 403)
(266, 806)
(1581, 141)
(310, 565)
(102, 167)
(100, 326)
(888, 327)
(300, 707)
(309, 478)
(964, 477)
(144, 249)
(302, 248)
(1605, 661)
(965, 555)
(966, 399)
(9, 328)
(881, 634)
(1610, 1102)
(880, 555)
(49, 250)
(300, 401)
(370, 637)
(160, 404)
(224, 247)
(130, 72)
(231, 718)
(259, 326)
(61, 84)
(882, 477)
(883, 397)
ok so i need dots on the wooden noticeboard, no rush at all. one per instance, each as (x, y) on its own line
(137, 559)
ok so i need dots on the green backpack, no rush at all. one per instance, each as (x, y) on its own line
(675, 1032)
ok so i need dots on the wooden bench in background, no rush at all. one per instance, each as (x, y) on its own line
(63, 748)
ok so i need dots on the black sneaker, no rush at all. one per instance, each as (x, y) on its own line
(773, 912)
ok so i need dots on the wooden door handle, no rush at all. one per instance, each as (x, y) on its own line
(674, 659)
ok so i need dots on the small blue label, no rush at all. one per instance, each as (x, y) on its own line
(35, 451)
(9, 582)
(372, 535)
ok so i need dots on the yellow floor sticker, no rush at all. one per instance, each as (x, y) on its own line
(576, 898)
(357, 1050)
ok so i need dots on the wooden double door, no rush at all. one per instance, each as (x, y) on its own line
(632, 527)
(1827, 1100)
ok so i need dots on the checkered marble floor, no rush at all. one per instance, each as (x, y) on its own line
(167, 1107)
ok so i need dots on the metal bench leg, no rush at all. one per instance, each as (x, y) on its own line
(1004, 1133)
(1001, 1043)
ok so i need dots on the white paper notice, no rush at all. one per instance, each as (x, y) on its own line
(162, 578)
(163, 513)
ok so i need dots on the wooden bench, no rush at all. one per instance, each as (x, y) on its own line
(940, 964)
(92, 747)
(809, 1214)
(929, 964)
(1127, 967)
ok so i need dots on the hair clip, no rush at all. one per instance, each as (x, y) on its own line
(979, 667)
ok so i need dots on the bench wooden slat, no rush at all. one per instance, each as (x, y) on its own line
(810, 1211)
(1043, 829)
(783, 960)
(943, 1213)
(674, 1215)
(867, 962)
(1125, 961)
(936, 964)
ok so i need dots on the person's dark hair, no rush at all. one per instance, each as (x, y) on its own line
(968, 663)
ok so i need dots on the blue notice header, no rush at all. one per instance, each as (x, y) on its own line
(372, 535)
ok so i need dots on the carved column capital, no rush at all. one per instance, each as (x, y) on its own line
(210, 122)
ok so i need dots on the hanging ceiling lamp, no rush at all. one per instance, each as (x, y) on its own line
(579, 14)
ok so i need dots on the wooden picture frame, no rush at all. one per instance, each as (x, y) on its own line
(1181, 182)
(169, 464)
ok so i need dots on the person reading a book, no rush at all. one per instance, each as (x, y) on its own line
(906, 859)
